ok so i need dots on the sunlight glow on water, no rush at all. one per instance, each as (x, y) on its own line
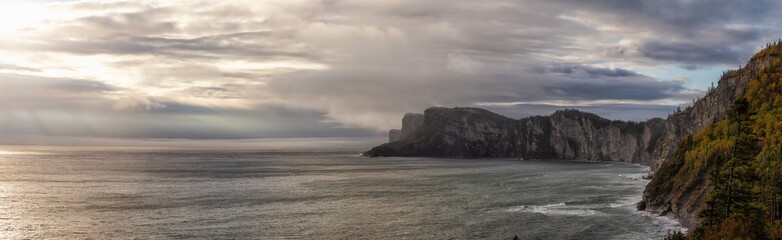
(315, 195)
(4, 152)
(17, 153)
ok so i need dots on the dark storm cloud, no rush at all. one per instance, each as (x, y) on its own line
(692, 53)
(629, 112)
(617, 90)
(692, 32)
(590, 72)
(579, 82)
(683, 16)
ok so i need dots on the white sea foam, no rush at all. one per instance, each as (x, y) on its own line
(665, 224)
(557, 209)
(628, 201)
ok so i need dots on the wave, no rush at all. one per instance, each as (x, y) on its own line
(665, 224)
(557, 209)
(627, 201)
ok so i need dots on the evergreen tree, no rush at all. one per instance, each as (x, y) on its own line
(770, 170)
(740, 174)
(713, 214)
(734, 194)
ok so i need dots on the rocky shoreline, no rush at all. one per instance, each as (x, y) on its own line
(572, 135)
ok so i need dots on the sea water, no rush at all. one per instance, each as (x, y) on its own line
(221, 194)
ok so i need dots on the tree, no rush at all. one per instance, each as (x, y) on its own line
(731, 208)
(770, 170)
(741, 174)
(713, 214)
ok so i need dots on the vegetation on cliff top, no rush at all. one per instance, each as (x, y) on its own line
(737, 161)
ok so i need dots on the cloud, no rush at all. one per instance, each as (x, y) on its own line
(692, 53)
(137, 103)
(247, 69)
(588, 72)
(627, 112)
(458, 62)
(32, 92)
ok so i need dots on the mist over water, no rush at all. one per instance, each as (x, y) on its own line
(315, 195)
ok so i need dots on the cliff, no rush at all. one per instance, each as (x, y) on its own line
(703, 112)
(575, 135)
(410, 122)
(682, 184)
(566, 134)
(683, 148)
(394, 135)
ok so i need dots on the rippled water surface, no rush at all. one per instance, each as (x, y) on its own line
(315, 195)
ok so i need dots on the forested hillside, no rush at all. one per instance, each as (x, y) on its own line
(730, 173)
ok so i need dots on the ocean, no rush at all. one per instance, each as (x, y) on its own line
(240, 194)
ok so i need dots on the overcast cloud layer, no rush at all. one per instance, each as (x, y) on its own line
(350, 68)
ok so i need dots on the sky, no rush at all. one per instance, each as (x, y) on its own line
(274, 69)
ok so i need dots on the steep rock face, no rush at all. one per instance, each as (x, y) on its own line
(394, 135)
(453, 132)
(576, 135)
(410, 122)
(704, 112)
(565, 134)
(568, 134)
(680, 188)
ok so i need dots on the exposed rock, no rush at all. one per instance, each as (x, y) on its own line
(570, 134)
(567, 134)
(640, 206)
(705, 111)
(394, 135)
(410, 123)
(684, 196)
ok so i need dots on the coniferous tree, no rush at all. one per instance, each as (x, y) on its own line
(770, 170)
(731, 207)
(713, 214)
(740, 174)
